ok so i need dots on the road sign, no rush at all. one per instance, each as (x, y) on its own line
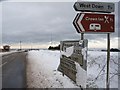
(94, 6)
(91, 23)
(73, 52)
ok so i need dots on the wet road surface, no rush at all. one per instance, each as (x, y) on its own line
(14, 70)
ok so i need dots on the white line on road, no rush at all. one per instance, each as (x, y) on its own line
(3, 64)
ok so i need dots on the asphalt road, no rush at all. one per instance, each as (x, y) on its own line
(14, 70)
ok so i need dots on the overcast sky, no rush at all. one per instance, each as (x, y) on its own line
(39, 23)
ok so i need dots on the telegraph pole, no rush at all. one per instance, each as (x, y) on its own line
(51, 39)
(20, 45)
(31, 46)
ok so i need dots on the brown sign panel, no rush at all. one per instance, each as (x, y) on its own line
(94, 23)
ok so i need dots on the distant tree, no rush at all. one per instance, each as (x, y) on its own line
(114, 50)
(50, 48)
(54, 48)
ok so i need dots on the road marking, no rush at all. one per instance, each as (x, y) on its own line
(3, 64)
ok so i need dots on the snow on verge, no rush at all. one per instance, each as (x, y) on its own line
(96, 69)
(6, 53)
(42, 71)
(80, 76)
(68, 52)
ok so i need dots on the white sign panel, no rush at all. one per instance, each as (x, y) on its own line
(94, 6)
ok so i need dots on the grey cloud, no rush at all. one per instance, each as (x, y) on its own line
(38, 22)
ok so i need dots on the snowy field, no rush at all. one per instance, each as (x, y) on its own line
(96, 69)
(42, 70)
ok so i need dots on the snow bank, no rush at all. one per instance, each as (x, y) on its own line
(5, 53)
(10, 52)
(84, 52)
(68, 52)
(42, 71)
(80, 76)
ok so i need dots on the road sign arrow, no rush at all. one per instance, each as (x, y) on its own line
(75, 22)
(79, 22)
